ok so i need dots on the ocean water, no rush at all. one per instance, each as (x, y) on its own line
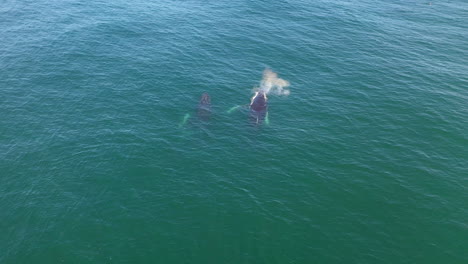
(365, 161)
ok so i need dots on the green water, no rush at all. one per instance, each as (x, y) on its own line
(103, 158)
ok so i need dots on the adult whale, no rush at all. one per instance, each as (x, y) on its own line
(259, 107)
(204, 107)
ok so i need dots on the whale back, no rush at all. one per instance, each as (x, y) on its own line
(259, 102)
(258, 108)
(204, 107)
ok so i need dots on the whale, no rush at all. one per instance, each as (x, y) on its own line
(258, 107)
(204, 107)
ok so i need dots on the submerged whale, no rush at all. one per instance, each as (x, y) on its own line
(258, 107)
(204, 107)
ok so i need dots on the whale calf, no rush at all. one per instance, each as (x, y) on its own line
(258, 107)
(204, 107)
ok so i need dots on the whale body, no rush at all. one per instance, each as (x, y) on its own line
(204, 107)
(258, 107)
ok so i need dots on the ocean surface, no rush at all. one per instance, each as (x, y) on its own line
(104, 160)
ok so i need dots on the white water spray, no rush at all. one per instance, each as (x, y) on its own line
(271, 83)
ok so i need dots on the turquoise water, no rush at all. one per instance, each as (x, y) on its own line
(364, 162)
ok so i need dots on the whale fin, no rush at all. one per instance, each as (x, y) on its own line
(232, 109)
(184, 120)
